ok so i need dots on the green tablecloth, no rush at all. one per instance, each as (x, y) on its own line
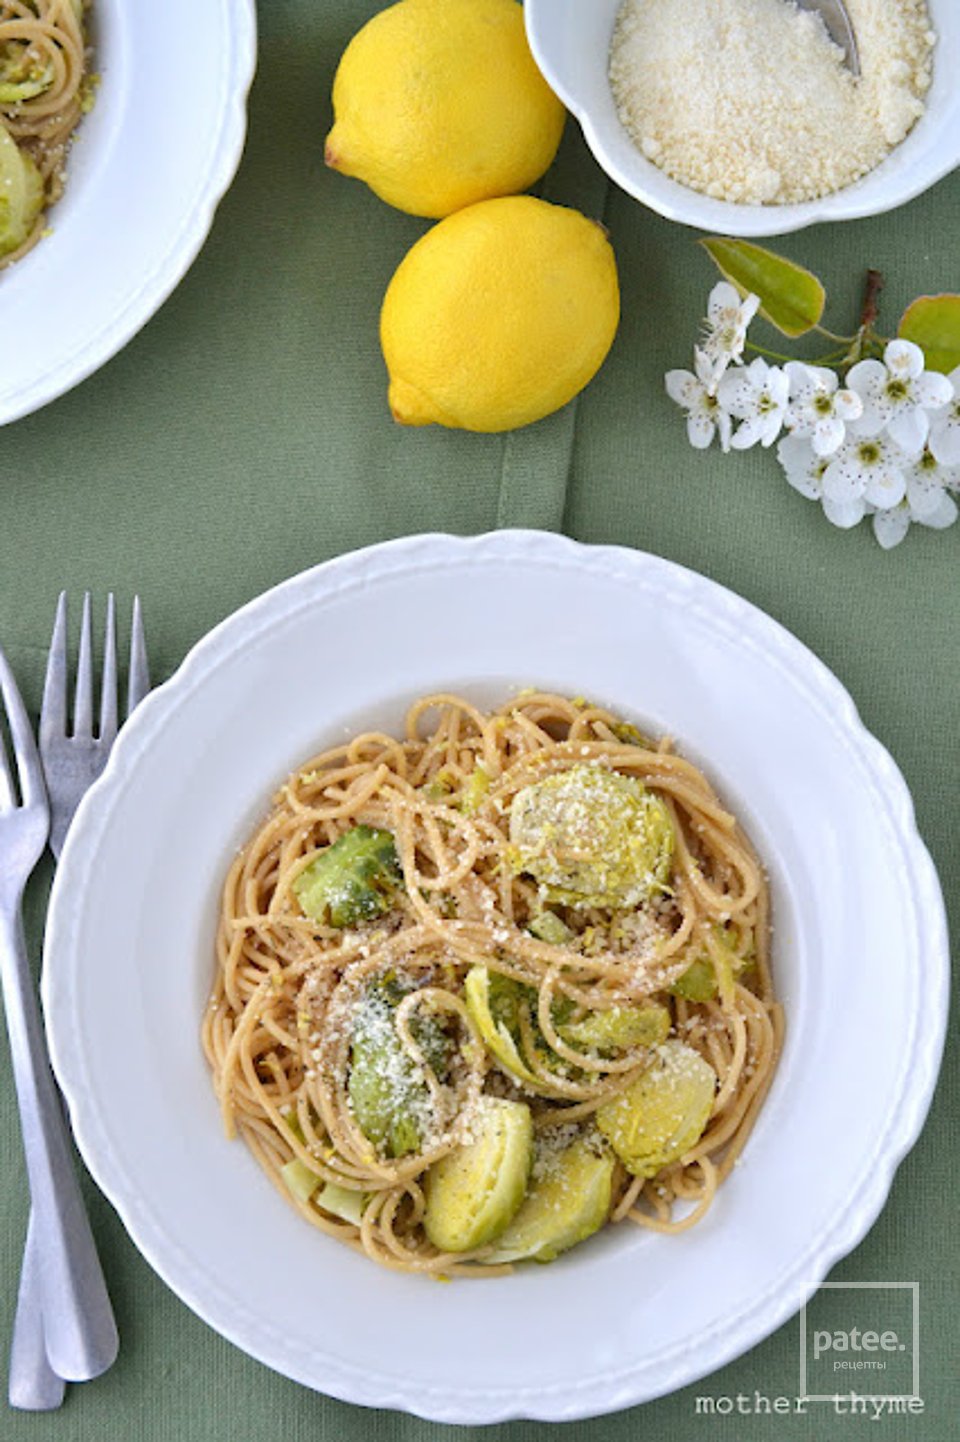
(243, 436)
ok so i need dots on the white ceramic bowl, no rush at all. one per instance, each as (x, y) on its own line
(147, 168)
(571, 40)
(860, 958)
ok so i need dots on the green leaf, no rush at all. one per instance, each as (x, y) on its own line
(791, 298)
(933, 323)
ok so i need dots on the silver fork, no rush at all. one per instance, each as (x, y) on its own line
(69, 1269)
(42, 1353)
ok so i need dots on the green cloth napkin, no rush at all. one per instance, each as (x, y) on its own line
(244, 436)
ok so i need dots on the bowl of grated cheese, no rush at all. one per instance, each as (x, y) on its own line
(740, 117)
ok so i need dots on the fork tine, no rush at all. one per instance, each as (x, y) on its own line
(83, 696)
(53, 712)
(28, 761)
(108, 692)
(8, 797)
(139, 682)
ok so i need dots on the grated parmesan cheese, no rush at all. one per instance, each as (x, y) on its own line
(750, 101)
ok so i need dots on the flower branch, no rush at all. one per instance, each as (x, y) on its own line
(873, 429)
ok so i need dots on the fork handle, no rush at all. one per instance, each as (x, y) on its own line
(80, 1332)
(34, 1386)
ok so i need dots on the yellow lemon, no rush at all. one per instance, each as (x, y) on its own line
(499, 315)
(439, 103)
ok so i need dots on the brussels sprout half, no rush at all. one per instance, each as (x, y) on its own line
(474, 1191)
(592, 837)
(21, 193)
(663, 1112)
(567, 1201)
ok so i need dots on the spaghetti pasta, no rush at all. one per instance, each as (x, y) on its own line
(299, 990)
(43, 92)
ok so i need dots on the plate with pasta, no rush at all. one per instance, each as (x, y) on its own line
(480, 911)
(101, 177)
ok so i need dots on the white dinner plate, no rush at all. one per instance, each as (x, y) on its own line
(860, 958)
(144, 175)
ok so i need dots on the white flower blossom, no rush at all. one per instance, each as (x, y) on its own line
(898, 395)
(757, 396)
(705, 416)
(805, 470)
(891, 526)
(925, 501)
(819, 408)
(727, 320)
(870, 469)
(945, 426)
(927, 483)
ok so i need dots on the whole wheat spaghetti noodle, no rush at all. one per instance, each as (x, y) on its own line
(44, 89)
(295, 996)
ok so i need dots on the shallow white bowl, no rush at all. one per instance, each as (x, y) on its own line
(571, 40)
(860, 958)
(148, 166)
